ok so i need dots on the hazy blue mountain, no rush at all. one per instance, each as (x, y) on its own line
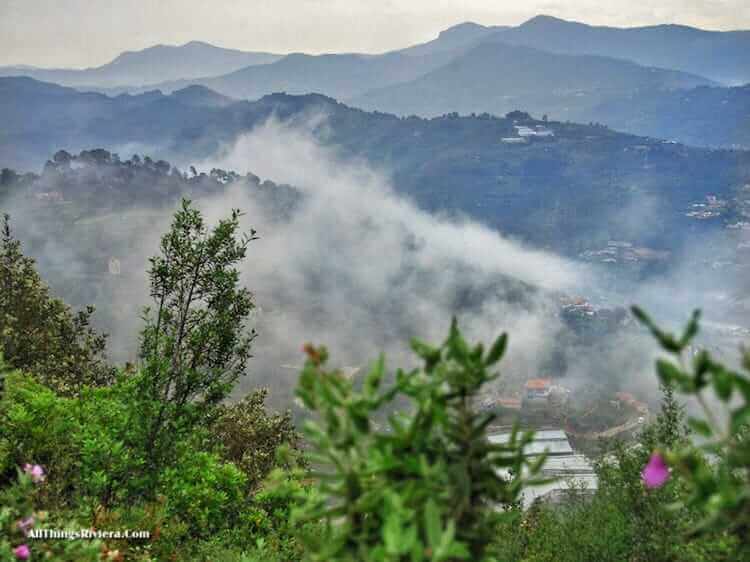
(572, 191)
(200, 96)
(721, 56)
(703, 116)
(337, 75)
(148, 66)
(456, 38)
(42, 117)
(496, 78)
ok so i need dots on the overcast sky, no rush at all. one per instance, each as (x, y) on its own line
(78, 33)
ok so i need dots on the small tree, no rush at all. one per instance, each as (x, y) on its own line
(195, 344)
(41, 334)
(429, 487)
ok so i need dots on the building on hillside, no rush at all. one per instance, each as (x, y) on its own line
(540, 131)
(543, 395)
(515, 140)
(537, 389)
(573, 472)
(49, 196)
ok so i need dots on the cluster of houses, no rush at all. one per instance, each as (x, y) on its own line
(578, 307)
(711, 208)
(49, 196)
(624, 252)
(571, 473)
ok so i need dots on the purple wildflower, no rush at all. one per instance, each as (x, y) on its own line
(22, 552)
(24, 525)
(656, 472)
(35, 471)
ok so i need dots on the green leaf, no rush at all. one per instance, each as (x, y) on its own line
(392, 530)
(497, 350)
(701, 427)
(691, 330)
(740, 417)
(433, 526)
(670, 374)
(723, 384)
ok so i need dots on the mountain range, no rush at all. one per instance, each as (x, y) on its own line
(665, 81)
(721, 56)
(718, 55)
(496, 78)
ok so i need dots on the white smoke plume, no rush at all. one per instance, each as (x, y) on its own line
(362, 270)
(352, 266)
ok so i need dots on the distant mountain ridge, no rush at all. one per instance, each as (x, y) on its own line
(159, 63)
(462, 36)
(723, 56)
(703, 116)
(495, 77)
(338, 75)
(719, 56)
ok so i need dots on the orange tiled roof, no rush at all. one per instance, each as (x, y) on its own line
(538, 384)
(625, 397)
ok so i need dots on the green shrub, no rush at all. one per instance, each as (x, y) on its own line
(195, 343)
(204, 492)
(429, 486)
(38, 425)
(19, 521)
(250, 436)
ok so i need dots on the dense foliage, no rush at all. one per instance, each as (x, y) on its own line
(392, 467)
(429, 487)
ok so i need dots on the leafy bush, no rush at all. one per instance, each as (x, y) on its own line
(250, 436)
(429, 487)
(19, 520)
(202, 491)
(36, 424)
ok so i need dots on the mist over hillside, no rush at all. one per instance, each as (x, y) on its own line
(316, 271)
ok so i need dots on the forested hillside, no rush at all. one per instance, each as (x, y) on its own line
(571, 188)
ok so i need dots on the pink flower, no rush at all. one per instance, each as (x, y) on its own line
(656, 472)
(25, 524)
(22, 552)
(35, 471)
